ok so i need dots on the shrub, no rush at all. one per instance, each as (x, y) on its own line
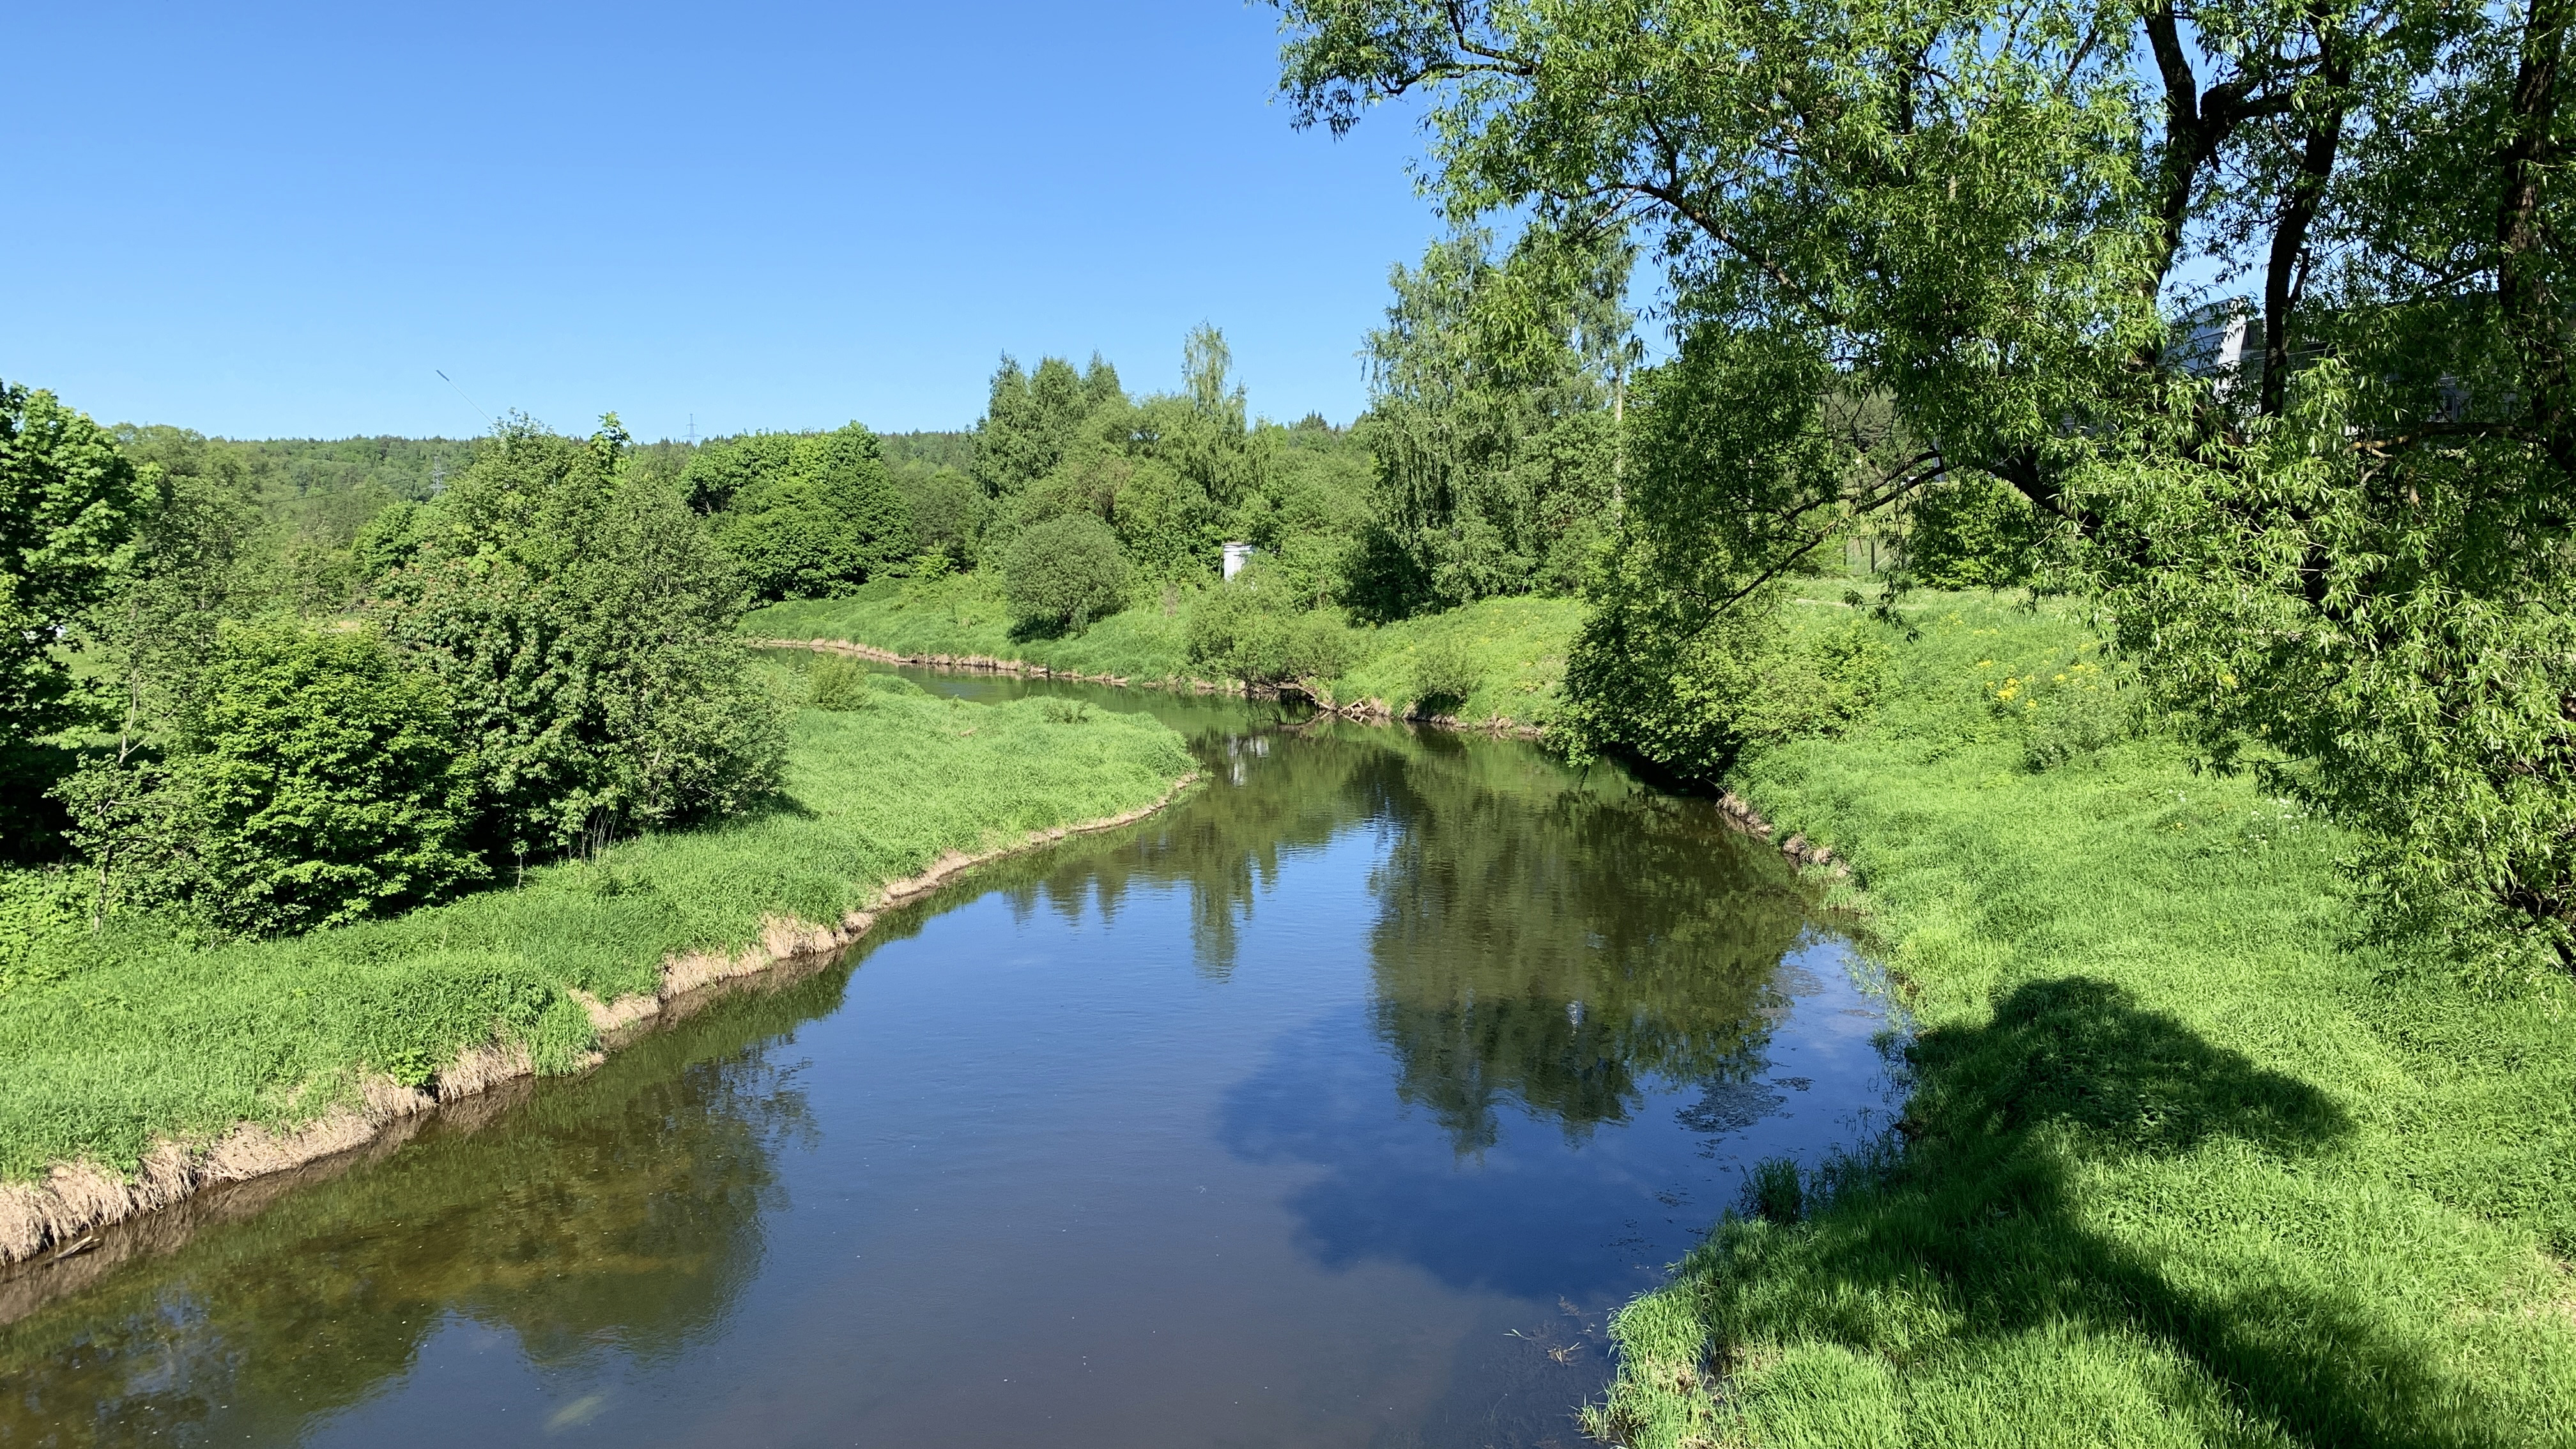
(1064, 573)
(314, 782)
(1972, 532)
(1692, 689)
(36, 907)
(582, 622)
(1249, 630)
(1445, 673)
(836, 683)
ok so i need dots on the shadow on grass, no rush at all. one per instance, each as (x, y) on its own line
(1972, 1246)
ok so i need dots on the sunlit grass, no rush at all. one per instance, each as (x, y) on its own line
(963, 616)
(1516, 649)
(1516, 646)
(2185, 1163)
(109, 1042)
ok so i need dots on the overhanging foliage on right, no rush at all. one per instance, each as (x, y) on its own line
(1910, 244)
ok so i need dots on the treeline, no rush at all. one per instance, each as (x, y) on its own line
(1479, 470)
(212, 707)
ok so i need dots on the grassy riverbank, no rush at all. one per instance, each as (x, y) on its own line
(2185, 1162)
(963, 616)
(1514, 649)
(109, 1042)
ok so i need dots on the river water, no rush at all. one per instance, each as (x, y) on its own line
(1337, 1106)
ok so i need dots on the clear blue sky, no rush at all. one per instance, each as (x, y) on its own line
(267, 221)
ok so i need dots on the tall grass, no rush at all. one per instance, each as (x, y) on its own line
(109, 1042)
(2185, 1162)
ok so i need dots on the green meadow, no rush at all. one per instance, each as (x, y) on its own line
(2187, 1160)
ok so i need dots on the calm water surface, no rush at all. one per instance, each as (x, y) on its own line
(1336, 1106)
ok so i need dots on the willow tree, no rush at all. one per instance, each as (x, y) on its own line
(2344, 546)
(1494, 390)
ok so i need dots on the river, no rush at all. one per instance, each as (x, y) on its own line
(1338, 1105)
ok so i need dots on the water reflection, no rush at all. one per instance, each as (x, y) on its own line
(1336, 1106)
(620, 1215)
(1547, 936)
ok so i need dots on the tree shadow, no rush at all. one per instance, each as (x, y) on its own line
(1980, 1213)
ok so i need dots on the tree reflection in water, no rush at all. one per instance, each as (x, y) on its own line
(1547, 936)
(1538, 941)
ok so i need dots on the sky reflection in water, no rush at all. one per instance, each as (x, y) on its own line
(1335, 1107)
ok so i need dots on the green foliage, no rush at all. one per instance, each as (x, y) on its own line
(68, 506)
(1064, 573)
(1692, 689)
(836, 683)
(293, 512)
(1250, 629)
(1445, 674)
(803, 516)
(948, 514)
(1972, 532)
(40, 913)
(2063, 704)
(389, 540)
(132, 1035)
(2180, 1156)
(1907, 244)
(910, 453)
(1029, 421)
(581, 621)
(1174, 477)
(1491, 419)
(314, 783)
(205, 551)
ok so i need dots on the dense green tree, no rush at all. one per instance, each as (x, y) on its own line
(582, 623)
(804, 516)
(313, 781)
(70, 501)
(204, 554)
(1029, 420)
(948, 514)
(1492, 421)
(2349, 546)
(1064, 573)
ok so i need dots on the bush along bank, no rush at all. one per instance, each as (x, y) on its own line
(2187, 1159)
(1496, 664)
(135, 1067)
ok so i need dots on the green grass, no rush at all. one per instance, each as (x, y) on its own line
(109, 1042)
(1516, 647)
(963, 615)
(2184, 1163)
